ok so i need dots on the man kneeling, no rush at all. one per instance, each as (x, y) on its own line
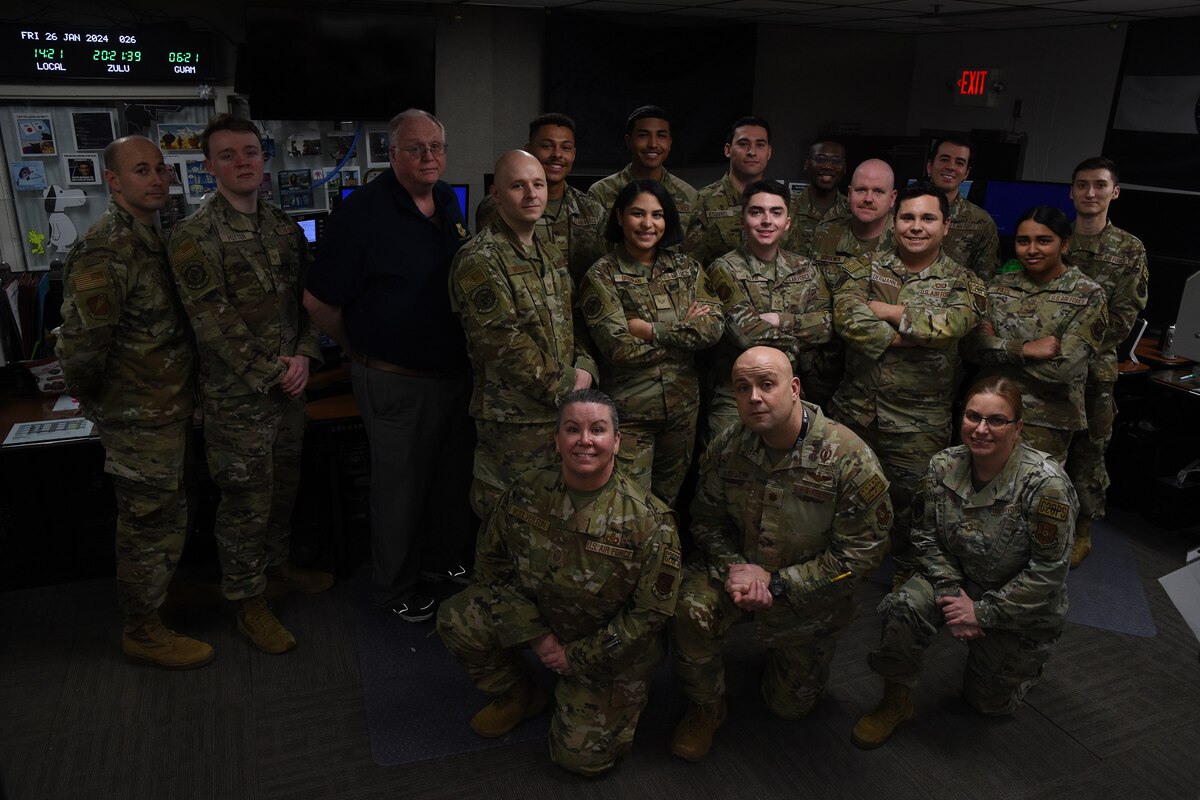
(791, 513)
(582, 565)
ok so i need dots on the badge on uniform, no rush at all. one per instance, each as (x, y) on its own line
(593, 307)
(1046, 533)
(883, 515)
(484, 299)
(195, 276)
(664, 586)
(1053, 509)
(462, 232)
(99, 306)
(557, 554)
(871, 489)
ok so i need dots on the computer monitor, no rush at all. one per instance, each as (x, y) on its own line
(309, 226)
(313, 225)
(463, 191)
(1005, 201)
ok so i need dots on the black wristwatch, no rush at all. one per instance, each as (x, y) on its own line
(777, 587)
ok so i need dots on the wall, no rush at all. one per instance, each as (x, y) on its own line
(489, 79)
(1065, 77)
(811, 81)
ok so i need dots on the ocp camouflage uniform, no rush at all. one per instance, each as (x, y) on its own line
(241, 279)
(819, 513)
(1008, 547)
(716, 224)
(806, 217)
(898, 399)
(605, 191)
(127, 355)
(655, 384)
(833, 245)
(1070, 307)
(790, 286)
(515, 304)
(973, 240)
(603, 577)
(1116, 260)
(577, 228)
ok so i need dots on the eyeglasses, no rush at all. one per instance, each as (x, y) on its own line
(437, 150)
(822, 160)
(995, 421)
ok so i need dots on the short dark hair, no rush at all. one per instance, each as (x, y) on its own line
(921, 189)
(646, 112)
(956, 139)
(553, 118)
(588, 396)
(1053, 218)
(823, 140)
(672, 232)
(767, 187)
(227, 122)
(1097, 162)
(745, 121)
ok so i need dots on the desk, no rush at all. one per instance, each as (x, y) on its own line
(58, 512)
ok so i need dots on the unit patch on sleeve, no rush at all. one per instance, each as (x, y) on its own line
(1053, 509)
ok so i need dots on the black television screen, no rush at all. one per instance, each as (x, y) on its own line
(334, 65)
(1007, 200)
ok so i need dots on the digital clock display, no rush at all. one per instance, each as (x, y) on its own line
(64, 52)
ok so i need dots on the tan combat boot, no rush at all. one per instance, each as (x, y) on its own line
(875, 728)
(694, 734)
(290, 578)
(1083, 542)
(260, 626)
(523, 700)
(146, 641)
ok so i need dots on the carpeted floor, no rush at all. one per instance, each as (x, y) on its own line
(1116, 715)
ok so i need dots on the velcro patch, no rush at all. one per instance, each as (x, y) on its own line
(886, 280)
(1053, 509)
(883, 515)
(964, 226)
(871, 490)
(672, 558)
(815, 493)
(530, 517)
(718, 213)
(1046, 533)
(593, 307)
(484, 300)
(1068, 298)
(664, 586)
(473, 279)
(607, 549)
(240, 236)
(195, 276)
(99, 306)
(86, 281)
(184, 250)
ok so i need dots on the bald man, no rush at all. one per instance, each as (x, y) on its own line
(791, 514)
(126, 352)
(514, 295)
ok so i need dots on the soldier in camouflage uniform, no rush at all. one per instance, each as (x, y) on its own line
(1043, 325)
(791, 515)
(820, 202)
(572, 221)
(581, 565)
(513, 293)
(649, 309)
(768, 297)
(127, 356)
(992, 527)
(902, 313)
(871, 199)
(648, 137)
(973, 241)
(239, 269)
(716, 225)
(1116, 260)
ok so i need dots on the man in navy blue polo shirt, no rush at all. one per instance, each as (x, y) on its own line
(378, 288)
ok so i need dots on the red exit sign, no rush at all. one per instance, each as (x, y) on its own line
(972, 83)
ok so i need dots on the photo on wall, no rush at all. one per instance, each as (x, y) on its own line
(93, 129)
(179, 137)
(198, 182)
(28, 175)
(35, 133)
(83, 169)
(377, 148)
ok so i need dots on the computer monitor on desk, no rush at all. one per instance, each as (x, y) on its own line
(1187, 325)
